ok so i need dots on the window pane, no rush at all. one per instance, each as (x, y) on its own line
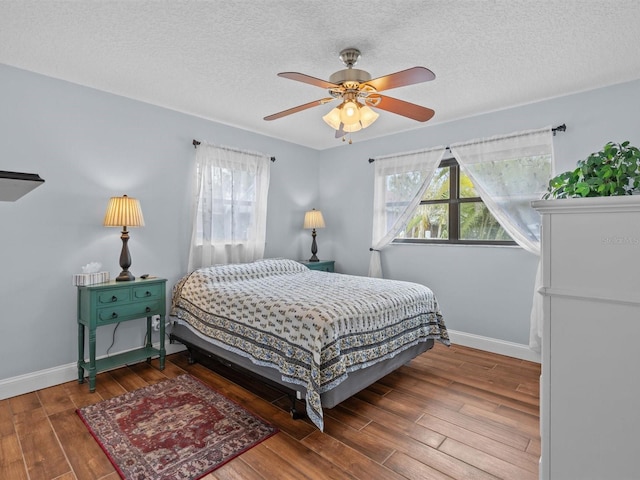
(400, 190)
(438, 189)
(477, 223)
(230, 215)
(429, 222)
(401, 185)
(467, 190)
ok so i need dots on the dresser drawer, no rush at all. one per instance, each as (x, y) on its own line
(148, 291)
(118, 313)
(116, 295)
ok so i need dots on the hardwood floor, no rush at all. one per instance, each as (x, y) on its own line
(451, 413)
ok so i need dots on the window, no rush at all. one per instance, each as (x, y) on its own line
(451, 211)
(230, 211)
(233, 202)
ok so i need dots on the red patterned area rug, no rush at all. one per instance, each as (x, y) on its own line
(178, 429)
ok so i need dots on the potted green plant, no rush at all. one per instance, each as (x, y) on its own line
(614, 170)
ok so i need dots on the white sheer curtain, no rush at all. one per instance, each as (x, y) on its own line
(400, 181)
(229, 212)
(509, 172)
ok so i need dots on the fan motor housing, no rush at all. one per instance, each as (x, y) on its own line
(350, 75)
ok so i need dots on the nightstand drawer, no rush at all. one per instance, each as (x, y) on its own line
(114, 296)
(322, 265)
(148, 291)
(123, 312)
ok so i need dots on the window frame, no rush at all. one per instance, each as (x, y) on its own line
(454, 201)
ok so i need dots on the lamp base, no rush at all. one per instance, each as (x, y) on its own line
(125, 276)
(314, 247)
(125, 259)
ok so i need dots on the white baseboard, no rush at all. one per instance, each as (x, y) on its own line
(501, 347)
(31, 382)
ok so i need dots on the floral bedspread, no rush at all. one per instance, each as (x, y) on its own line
(314, 327)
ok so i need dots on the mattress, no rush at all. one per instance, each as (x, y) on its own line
(314, 328)
(356, 381)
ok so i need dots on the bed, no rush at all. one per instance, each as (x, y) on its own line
(324, 335)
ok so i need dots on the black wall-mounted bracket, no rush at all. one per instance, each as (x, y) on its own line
(14, 185)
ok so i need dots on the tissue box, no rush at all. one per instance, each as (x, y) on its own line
(83, 279)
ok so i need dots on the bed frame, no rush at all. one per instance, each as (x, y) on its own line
(357, 380)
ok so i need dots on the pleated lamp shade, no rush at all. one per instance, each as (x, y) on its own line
(123, 212)
(313, 219)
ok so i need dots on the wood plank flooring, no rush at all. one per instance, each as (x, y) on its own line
(451, 413)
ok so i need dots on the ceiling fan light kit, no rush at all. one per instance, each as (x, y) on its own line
(358, 93)
(333, 118)
(354, 127)
(349, 113)
(367, 116)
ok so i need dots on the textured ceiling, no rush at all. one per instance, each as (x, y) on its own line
(218, 59)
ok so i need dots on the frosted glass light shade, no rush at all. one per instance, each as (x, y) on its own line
(367, 116)
(313, 219)
(350, 113)
(352, 128)
(123, 212)
(333, 119)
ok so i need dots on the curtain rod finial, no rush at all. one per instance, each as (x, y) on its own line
(559, 128)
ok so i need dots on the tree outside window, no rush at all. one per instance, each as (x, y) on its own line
(450, 211)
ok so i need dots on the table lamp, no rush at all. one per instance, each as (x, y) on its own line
(313, 219)
(124, 212)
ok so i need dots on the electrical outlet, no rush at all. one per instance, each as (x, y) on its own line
(155, 322)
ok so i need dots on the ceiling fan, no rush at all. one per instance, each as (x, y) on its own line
(358, 93)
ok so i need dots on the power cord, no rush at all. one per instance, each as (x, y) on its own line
(146, 336)
(113, 339)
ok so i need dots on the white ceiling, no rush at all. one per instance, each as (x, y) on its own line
(218, 59)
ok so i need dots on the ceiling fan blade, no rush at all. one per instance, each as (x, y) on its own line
(400, 79)
(299, 108)
(301, 77)
(340, 133)
(406, 109)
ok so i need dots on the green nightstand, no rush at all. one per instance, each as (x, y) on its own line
(115, 302)
(323, 265)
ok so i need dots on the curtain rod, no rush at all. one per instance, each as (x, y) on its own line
(196, 143)
(559, 128)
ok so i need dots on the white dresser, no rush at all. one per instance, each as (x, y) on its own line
(590, 384)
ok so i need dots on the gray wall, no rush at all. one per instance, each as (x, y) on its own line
(90, 145)
(485, 291)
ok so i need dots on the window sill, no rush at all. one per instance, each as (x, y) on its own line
(443, 244)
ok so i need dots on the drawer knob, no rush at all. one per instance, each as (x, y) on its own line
(148, 309)
(114, 298)
(114, 315)
(147, 293)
